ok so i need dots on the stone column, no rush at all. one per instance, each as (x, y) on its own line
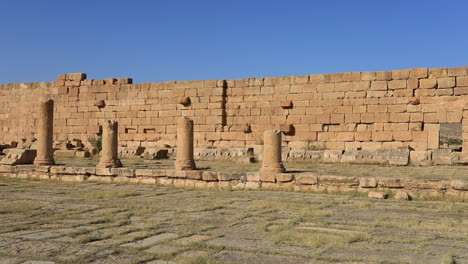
(272, 152)
(185, 159)
(110, 142)
(45, 134)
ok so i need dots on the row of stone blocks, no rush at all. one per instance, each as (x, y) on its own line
(400, 157)
(301, 181)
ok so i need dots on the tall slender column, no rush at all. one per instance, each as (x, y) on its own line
(45, 134)
(185, 159)
(272, 152)
(110, 143)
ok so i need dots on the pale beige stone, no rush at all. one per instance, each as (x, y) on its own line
(272, 162)
(110, 141)
(377, 195)
(185, 160)
(45, 132)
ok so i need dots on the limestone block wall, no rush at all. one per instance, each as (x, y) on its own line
(367, 110)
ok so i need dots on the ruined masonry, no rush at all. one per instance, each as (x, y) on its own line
(358, 112)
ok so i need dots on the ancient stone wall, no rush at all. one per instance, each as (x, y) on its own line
(367, 110)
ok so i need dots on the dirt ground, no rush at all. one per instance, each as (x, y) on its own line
(56, 222)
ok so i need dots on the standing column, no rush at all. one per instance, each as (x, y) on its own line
(185, 159)
(272, 152)
(110, 142)
(45, 134)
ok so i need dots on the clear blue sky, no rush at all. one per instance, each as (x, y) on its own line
(153, 41)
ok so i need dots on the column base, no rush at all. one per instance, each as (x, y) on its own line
(273, 168)
(114, 163)
(42, 161)
(185, 165)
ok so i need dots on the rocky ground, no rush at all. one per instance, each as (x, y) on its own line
(56, 222)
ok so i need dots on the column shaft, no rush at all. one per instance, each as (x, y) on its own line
(45, 134)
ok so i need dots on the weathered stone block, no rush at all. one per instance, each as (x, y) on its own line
(332, 155)
(130, 152)
(461, 185)
(306, 179)
(155, 153)
(377, 195)
(19, 156)
(402, 195)
(123, 172)
(284, 177)
(442, 157)
(338, 180)
(421, 157)
(367, 182)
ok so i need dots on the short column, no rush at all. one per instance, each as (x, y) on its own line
(272, 152)
(185, 159)
(110, 143)
(45, 134)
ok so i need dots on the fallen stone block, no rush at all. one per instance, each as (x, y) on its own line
(82, 154)
(461, 185)
(130, 152)
(19, 156)
(402, 195)
(377, 195)
(155, 153)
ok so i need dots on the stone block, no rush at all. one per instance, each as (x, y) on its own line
(194, 174)
(209, 176)
(123, 172)
(442, 157)
(419, 73)
(284, 177)
(462, 81)
(402, 195)
(428, 83)
(461, 185)
(367, 182)
(390, 183)
(332, 155)
(130, 152)
(400, 74)
(393, 156)
(267, 177)
(19, 156)
(82, 154)
(459, 71)
(421, 157)
(153, 153)
(306, 179)
(377, 195)
(330, 180)
(253, 176)
(447, 82)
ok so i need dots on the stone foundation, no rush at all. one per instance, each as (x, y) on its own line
(303, 181)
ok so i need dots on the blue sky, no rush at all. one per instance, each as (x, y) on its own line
(152, 41)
